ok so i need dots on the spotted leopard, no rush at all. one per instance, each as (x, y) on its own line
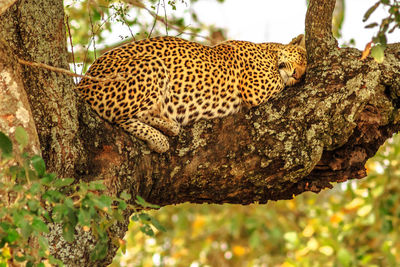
(166, 82)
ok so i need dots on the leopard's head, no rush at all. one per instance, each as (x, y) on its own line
(292, 61)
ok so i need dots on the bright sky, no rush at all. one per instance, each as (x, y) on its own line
(280, 21)
(273, 21)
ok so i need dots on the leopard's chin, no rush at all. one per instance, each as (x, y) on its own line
(285, 76)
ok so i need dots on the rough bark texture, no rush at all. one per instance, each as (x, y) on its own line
(16, 110)
(34, 29)
(318, 132)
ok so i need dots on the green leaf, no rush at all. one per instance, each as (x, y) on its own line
(378, 53)
(53, 196)
(387, 226)
(39, 165)
(255, 240)
(139, 200)
(370, 11)
(371, 25)
(63, 182)
(146, 229)
(84, 217)
(135, 218)
(99, 252)
(97, 185)
(35, 188)
(122, 205)
(48, 179)
(5, 145)
(157, 224)
(55, 261)
(103, 202)
(144, 217)
(58, 213)
(125, 196)
(20, 259)
(43, 242)
(33, 204)
(69, 203)
(5, 225)
(344, 257)
(39, 225)
(68, 232)
(21, 136)
(12, 235)
(96, 15)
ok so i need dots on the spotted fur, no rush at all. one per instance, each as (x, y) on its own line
(168, 82)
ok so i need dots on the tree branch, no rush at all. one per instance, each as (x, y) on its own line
(115, 77)
(5, 4)
(15, 109)
(319, 38)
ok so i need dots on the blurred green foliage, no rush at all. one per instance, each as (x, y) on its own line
(32, 199)
(355, 224)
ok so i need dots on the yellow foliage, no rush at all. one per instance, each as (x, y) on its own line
(5, 252)
(287, 264)
(308, 230)
(291, 204)
(336, 218)
(326, 250)
(198, 225)
(364, 210)
(239, 250)
(354, 204)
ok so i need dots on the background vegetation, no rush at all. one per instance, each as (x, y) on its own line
(355, 224)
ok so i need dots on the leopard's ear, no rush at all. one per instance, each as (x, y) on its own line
(299, 41)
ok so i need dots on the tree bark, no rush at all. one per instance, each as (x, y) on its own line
(318, 132)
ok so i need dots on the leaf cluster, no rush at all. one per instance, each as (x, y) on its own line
(389, 23)
(33, 198)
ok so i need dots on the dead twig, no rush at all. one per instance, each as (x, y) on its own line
(139, 4)
(113, 77)
(155, 20)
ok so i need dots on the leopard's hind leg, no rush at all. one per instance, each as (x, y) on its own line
(167, 126)
(154, 138)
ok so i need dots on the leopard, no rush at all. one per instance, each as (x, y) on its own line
(168, 82)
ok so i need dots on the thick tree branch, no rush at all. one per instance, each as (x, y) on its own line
(5, 4)
(36, 34)
(15, 109)
(319, 38)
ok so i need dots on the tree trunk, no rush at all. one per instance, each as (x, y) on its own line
(315, 133)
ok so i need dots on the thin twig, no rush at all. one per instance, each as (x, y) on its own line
(165, 18)
(93, 34)
(127, 25)
(114, 77)
(155, 19)
(139, 4)
(99, 28)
